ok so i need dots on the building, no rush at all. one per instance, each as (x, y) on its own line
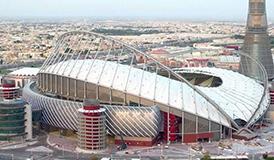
(257, 46)
(142, 104)
(22, 76)
(256, 42)
(15, 115)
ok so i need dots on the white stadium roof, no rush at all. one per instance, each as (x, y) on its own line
(238, 95)
(26, 71)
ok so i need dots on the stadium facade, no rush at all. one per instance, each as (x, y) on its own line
(142, 98)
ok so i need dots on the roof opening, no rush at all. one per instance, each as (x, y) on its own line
(202, 80)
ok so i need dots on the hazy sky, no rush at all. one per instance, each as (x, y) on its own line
(165, 9)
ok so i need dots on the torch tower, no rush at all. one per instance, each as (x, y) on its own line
(257, 43)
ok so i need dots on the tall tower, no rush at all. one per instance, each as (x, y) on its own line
(256, 42)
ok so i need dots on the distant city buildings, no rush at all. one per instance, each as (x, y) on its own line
(24, 40)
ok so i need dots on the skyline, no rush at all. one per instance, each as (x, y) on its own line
(192, 10)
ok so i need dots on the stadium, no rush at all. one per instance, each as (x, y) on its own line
(141, 99)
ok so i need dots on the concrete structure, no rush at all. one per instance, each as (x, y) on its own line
(256, 42)
(91, 126)
(28, 122)
(143, 100)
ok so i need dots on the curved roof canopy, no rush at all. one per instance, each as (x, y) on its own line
(26, 71)
(106, 62)
(238, 95)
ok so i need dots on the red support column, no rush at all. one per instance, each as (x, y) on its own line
(173, 127)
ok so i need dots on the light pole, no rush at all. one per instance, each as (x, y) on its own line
(63, 150)
(77, 154)
(161, 147)
(189, 154)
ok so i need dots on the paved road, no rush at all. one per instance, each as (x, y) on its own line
(22, 153)
(47, 152)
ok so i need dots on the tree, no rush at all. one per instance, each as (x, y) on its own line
(206, 156)
(94, 157)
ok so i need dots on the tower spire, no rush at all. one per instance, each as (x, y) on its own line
(256, 42)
